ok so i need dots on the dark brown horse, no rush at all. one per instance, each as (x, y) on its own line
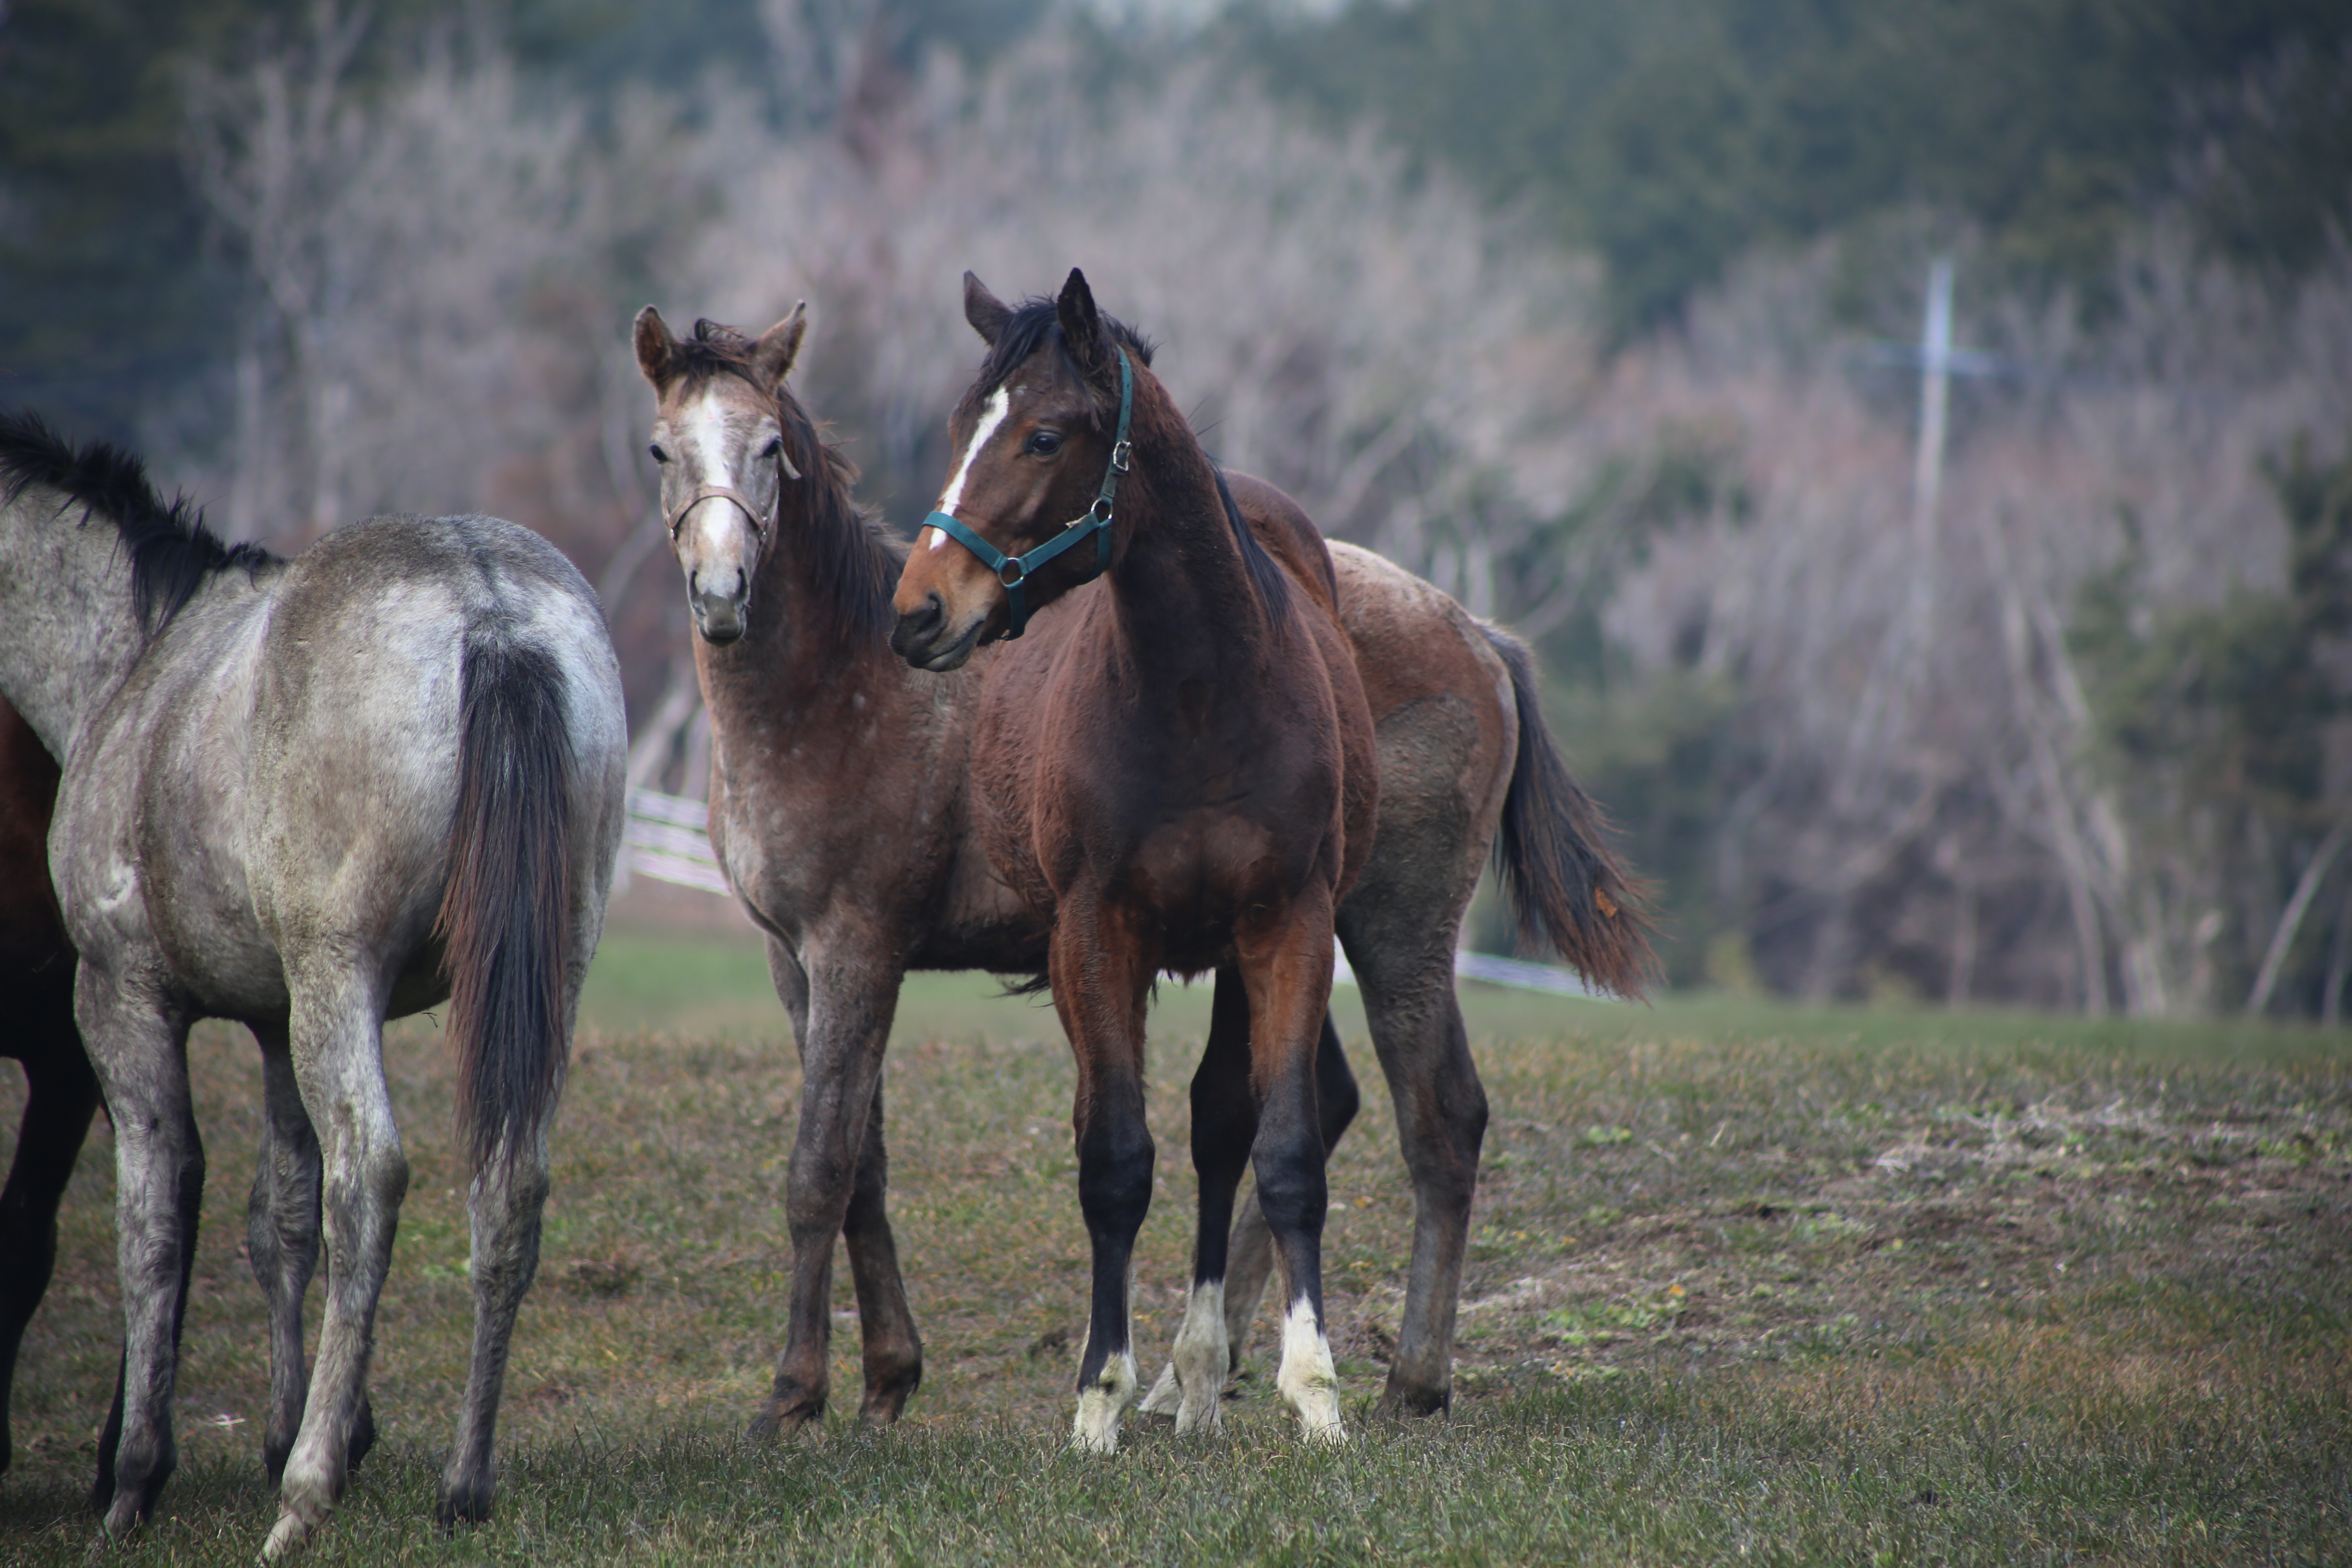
(1179, 773)
(840, 809)
(37, 980)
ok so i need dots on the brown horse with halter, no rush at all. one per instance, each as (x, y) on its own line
(842, 811)
(1180, 774)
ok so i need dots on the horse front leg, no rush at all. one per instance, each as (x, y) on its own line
(1101, 974)
(60, 1093)
(138, 1043)
(1286, 960)
(894, 1352)
(841, 1016)
(1192, 1386)
(336, 1048)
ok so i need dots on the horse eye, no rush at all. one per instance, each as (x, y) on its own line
(775, 445)
(659, 455)
(1045, 442)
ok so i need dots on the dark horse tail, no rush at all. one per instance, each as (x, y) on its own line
(506, 918)
(1570, 893)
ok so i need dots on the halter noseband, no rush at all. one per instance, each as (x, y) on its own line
(760, 525)
(1014, 570)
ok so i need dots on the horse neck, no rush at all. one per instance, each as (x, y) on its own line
(1181, 574)
(821, 652)
(71, 627)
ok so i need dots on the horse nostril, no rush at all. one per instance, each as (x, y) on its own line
(928, 617)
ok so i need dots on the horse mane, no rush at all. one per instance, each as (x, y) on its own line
(1037, 321)
(853, 562)
(171, 551)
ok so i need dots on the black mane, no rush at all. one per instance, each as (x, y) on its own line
(854, 562)
(171, 551)
(1038, 321)
(1035, 322)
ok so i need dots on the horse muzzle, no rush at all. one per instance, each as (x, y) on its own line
(722, 607)
(924, 638)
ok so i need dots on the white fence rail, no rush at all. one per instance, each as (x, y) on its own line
(668, 837)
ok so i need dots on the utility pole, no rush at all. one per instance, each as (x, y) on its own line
(1934, 393)
(1938, 361)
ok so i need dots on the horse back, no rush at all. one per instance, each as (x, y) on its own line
(1290, 535)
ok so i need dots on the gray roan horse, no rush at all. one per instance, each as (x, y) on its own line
(309, 795)
(839, 807)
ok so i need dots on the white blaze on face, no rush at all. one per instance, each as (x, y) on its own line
(992, 414)
(715, 528)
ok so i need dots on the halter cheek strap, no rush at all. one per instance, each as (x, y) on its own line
(1014, 571)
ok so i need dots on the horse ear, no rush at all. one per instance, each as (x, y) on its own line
(984, 310)
(656, 350)
(1081, 322)
(779, 346)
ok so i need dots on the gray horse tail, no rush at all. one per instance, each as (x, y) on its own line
(506, 918)
(1571, 894)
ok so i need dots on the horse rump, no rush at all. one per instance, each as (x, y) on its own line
(1571, 894)
(505, 919)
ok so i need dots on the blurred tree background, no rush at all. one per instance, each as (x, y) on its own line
(1579, 307)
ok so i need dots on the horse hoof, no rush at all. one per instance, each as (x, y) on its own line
(888, 1389)
(463, 1500)
(1103, 1399)
(1165, 1397)
(288, 1536)
(1400, 1399)
(1095, 1430)
(778, 1420)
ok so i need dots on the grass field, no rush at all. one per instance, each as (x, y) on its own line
(1748, 1283)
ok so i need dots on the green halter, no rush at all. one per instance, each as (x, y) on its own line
(1014, 570)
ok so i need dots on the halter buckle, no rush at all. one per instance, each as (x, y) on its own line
(1121, 454)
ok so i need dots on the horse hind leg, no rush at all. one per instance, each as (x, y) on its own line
(337, 1055)
(1404, 965)
(61, 1093)
(138, 1048)
(506, 1200)
(1250, 1253)
(281, 1241)
(1191, 1387)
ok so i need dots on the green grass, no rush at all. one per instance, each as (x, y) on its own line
(1746, 1283)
